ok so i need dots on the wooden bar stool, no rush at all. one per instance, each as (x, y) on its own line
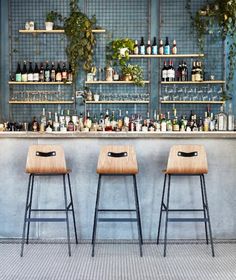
(117, 161)
(47, 160)
(187, 160)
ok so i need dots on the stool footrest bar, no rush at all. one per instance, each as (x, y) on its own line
(46, 220)
(184, 210)
(117, 220)
(50, 210)
(116, 210)
(187, 220)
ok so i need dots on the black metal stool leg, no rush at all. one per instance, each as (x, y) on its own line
(140, 237)
(167, 212)
(25, 216)
(72, 208)
(96, 214)
(208, 215)
(161, 210)
(204, 209)
(30, 206)
(67, 216)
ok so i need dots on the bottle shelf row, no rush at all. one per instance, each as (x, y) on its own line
(41, 102)
(55, 31)
(113, 82)
(167, 55)
(39, 83)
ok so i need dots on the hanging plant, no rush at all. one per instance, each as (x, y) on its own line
(81, 40)
(219, 19)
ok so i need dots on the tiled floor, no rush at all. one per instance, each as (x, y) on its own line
(117, 261)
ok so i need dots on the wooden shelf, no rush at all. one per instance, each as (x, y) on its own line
(117, 102)
(191, 82)
(39, 83)
(192, 102)
(41, 102)
(113, 82)
(166, 56)
(55, 31)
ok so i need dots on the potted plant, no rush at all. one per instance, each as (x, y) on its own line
(118, 50)
(51, 18)
(81, 40)
(132, 73)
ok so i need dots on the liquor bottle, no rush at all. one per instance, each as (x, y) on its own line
(184, 73)
(126, 120)
(193, 72)
(179, 73)
(200, 124)
(230, 118)
(107, 121)
(175, 122)
(49, 126)
(34, 125)
(136, 48)
(154, 46)
(30, 74)
(171, 72)
(88, 122)
(53, 73)
(41, 73)
(212, 123)
(168, 122)
(81, 122)
(64, 73)
(148, 48)
(70, 125)
(174, 47)
(24, 73)
(142, 47)
(156, 123)
(70, 75)
(167, 47)
(113, 121)
(43, 121)
(67, 117)
(47, 73)
(206, 122)
(18, 73)
(120, 121)
(197, 75)
(58, 73)
(164, 73)
(36, 73)
(163, 123)
(161, 48)
(101, 122)
(56, 124)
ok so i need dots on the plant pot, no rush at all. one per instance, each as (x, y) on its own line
(127, 77)
(48, 25)
(123, 51)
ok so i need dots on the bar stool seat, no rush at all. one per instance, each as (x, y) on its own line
(185, 160)
(47, 160)
(117, 161)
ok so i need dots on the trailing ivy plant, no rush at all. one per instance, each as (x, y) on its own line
(218, 18)
(81, 40)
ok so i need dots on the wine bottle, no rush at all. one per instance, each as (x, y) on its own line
(53, 73)
(148, 48)
(167, 47)
(164, 72)
(18, 73)
(70, 75)
(36, 73)
(154, 46)
(64, 73)
(136, 49)
(171, 72)
(142, 47)
(30, 74)
(161, 48)
(58, 73)
(174, 47)
(41, 73)
(24, 73)
(47, 73)
(193, 72)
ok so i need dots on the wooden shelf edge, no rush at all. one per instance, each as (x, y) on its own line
(41, 102)
(113, 82)
(191, 82)
(55, 31)
(117, 102)
(39, 83)
(192, 102)
(166, 56)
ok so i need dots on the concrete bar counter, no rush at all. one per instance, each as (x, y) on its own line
(82, 149)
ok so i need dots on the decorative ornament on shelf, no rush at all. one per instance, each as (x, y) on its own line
(133, 73)
(81, 40)
(51, 18)
(218, 19)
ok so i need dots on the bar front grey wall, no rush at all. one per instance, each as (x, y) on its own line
(152, 154)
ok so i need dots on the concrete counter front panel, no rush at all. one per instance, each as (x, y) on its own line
(152, 153)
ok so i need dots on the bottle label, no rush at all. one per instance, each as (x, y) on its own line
(36, 77)
(154, 50)
(161, 50)
(30, 77)
(136, 50)
(148, 50)
(174, 50)
(18, 77)
(167, 50)
(165, 74)
(142, 50)
(24, 77)
(58, 77)
(47, 76)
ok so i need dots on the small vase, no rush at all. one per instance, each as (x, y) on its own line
(48, 25)
(127, 78)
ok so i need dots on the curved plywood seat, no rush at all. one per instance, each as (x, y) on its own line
(46, 159)
(187, 159)
(117, 160)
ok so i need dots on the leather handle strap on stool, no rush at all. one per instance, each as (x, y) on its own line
(191, 154)
(112, 154)
(43, 154)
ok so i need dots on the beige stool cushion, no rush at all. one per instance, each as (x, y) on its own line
(117, 165)
(187, 165)
(46, 165)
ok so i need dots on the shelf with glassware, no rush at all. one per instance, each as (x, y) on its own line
(193, 82)
(118, 102)
(36, 31)
(193, 102)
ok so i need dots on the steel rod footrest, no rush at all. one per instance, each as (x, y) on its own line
(117, 210)
(46, 220)
(187, 220)
(117, 220)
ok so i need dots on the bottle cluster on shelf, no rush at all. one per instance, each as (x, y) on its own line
(169, 73)
(140, 48)
(43, 72)
(119, 121)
